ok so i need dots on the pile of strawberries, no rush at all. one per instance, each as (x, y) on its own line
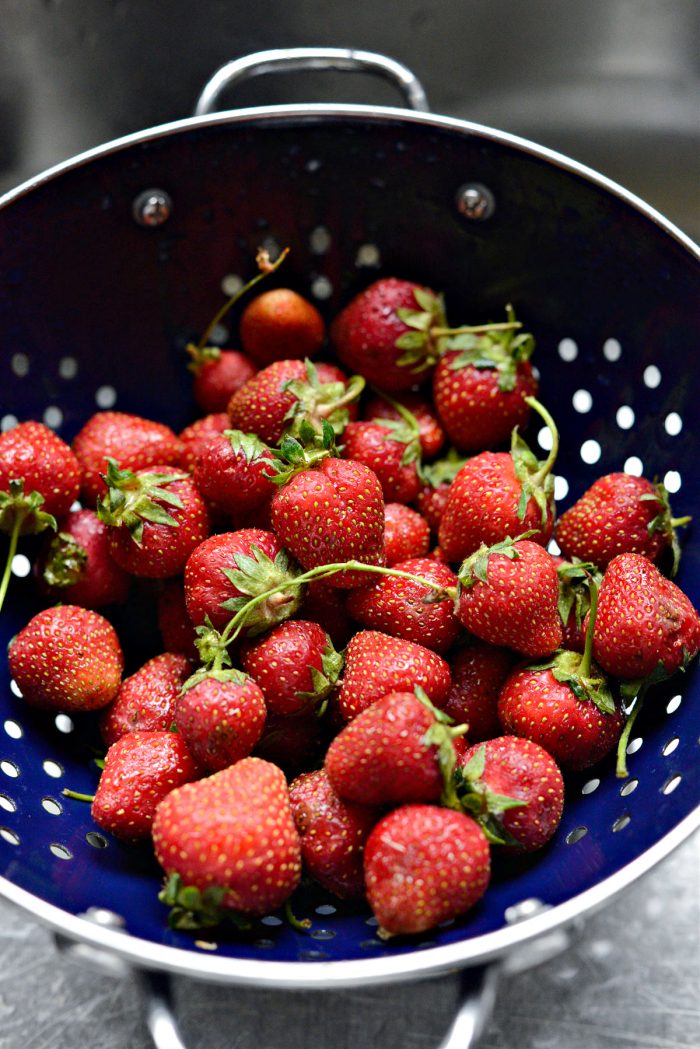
(373, 671)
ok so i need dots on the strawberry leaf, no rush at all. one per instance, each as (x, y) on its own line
(22, 513)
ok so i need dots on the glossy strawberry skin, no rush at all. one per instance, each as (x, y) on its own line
(399, 607)
(479, 671)
(431, 434)
(477, 414)
(197, 435)
(643, 620)
(376, 664)
(235, 830)
(134, 442)
(33, 453)
(373, 445)
(412, 857)
(332, 513)
(231, 473)
(221, 720)
(534, 705)
(281, 662)
(146, 699)
(406, 533)
(279, 324)
(140, 769)
(431, 501)
(333, 833)
(67, 658)
(482, 507)
(98, 581)
(517, 606)
(217, 379)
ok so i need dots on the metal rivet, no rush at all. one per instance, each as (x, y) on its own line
(475, 202)
(153, 207)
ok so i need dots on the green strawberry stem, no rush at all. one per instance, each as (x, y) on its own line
(266, 267)
(477, 329)
(548, 465)
(584, 669)
(300, 924)
(77, 796)
(12, 550)
(621, 763)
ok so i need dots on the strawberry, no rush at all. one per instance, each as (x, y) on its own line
(232, 837)
(218, 374)
(376, 664)
(294, 664)
(497, 494)
(67, 658)
(333, 833)
(619, 514)
(134, 442)
(479, 671)
(330, 513)
(231, 472)
(406, 533)
(76, 567)
(146, 699)
(386, 333)
(225, 571)
(575, 579)
(221, 715)
(197, 435)
(34, 455)
(646, 625)
(403, 608)
(280, 324)
(509, 597)
(424, 865)
(326, 605)
(514, 788)
(436, 478)
(397, 750)
(156, 519)
(294, 742)
(431, 435)
(480, 385)
(139, 770)
(177, 632)
(392, 451)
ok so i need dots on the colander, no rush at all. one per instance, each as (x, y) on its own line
(111, 262)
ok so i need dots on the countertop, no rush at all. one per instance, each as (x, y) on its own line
(631, 979)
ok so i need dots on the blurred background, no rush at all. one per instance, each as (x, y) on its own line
(612, 83)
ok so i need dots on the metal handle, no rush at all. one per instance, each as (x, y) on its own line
(478, 992)
(312, 58)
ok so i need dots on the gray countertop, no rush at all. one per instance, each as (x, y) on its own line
(631, 979)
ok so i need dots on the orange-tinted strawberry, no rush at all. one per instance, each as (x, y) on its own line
(278, 324)
(231, 835)
(140, 769)
(294, 664)
(67, 658)
(76, 567)
(479, 671)
(220, 714)
(217, 375)
(376, 664)
(406, 533)
(34, 455)
(146, 699)
(412, 857)
(197, 435)
(333, 833)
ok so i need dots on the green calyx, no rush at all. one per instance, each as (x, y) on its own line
(485, 805)
(247, 446)
(496, 348)
(257, 576)
(665, 523)
(441, 735)
(192, 908)
(317, 403)
(575, 579)
(296, 454)
(323, 681)
(536, 478)
(200, 356)
(443, 471)
(422, 348)
(229, 675)
(65, 562)
(405, 430)
(475, 567)
(21, 513)
(133, 499)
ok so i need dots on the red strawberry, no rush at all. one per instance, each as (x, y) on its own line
(177, 631)
(197, 435)
(76, 567)
(376, 664)
(480, 386)
(156, 519)
(479, 671)
(331, 513)
(494, 495)
(385, 333)
(575, 580)
(280, 324)
(326, 605)
(294, 664)
(392, 451)
(134, 442)
(231, 471)
(333, 833)
(619, 514)
(424, 865)
(406, 533)
(232, 837)
(645, 624)
(67, 658)
(146, 699)
(514, 788)
(34, 455)
(225, 571)
(404, 608)
(437, 477)
(294, 742)
(398, 750)
(221, 715)
(140, 769)
(430, 433)
(509, 597)
(217, 375)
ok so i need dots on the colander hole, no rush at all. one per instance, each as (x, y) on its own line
(264, 944)
(7, 803)
(566, 973)
(575, 835)
(368, 255)
(591, 786)
(634, 745)
(672, 481)
(53, 416)
(671, 784)
(624, 417)
(629, 787)
(271, 919)
(219, 335)
(105, 397)
(561, 487)
(621, 823)
(371, 921)
(10, 836)
(544, 439)
(51, 805)
(231, 283)
(370, 945)
(582, 401)
(63, 723)
(97, 840)
(52, 768)
(19, 363)
(8, 422)
(590, 452)
(313, 956)
(68, 367)
(21, 566)
(568, 350)
(206, 945)
(323, 934)
(320, 240)
(612, 350)
(325, 909)
(312, 165)
(518, 912)
(271, 246)
(13, 730)
(600, 949)
(321, 288)
(61, 852)
(673, 704)
(553, 547)
(9, 768)
(668, 748)
(652, 376)
(673, 424)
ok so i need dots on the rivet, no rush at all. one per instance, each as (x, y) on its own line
(153, 207)
(475, 202)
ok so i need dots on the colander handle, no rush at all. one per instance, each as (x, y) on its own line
(293, 59)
